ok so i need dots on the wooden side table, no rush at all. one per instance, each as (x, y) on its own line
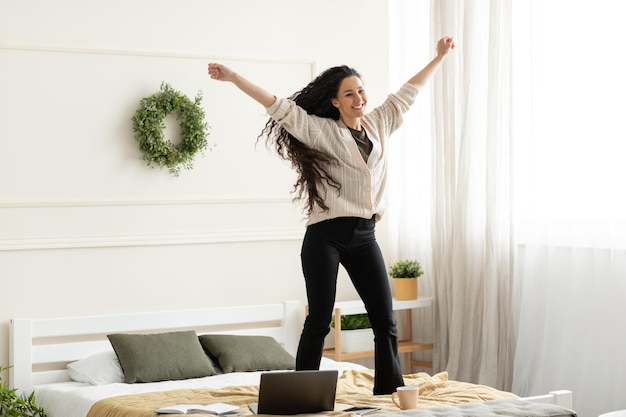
(405, 346)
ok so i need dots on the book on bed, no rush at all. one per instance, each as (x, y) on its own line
(216, 409)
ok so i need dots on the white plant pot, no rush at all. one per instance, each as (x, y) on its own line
(361, 340)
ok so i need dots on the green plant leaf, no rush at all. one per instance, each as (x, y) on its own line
(354, 322)
(406, 268)
(13, 404)
(148, 125)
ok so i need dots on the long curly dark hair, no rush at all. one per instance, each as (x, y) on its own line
(310, 164)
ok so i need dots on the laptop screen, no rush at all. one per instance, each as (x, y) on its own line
(297, 392)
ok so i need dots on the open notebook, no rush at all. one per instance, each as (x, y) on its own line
(296, 392)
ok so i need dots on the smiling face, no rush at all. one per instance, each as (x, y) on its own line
(351, 101)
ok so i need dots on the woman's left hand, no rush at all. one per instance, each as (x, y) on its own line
(444, 45)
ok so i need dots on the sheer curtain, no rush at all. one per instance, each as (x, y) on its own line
(451, 194)
(570, 204)
(527, 109)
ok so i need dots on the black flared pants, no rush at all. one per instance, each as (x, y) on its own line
(351, 242)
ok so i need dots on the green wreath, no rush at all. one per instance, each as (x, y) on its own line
(148, 125)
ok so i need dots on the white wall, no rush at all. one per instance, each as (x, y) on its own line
(85, 226)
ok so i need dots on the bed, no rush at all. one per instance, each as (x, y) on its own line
(74, 366)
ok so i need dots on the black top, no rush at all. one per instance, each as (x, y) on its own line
(362, 141)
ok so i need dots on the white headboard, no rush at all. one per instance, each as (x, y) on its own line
(39, 349)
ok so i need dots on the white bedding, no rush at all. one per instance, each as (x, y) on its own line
(74, 399)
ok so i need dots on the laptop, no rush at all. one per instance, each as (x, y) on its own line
(296, 392)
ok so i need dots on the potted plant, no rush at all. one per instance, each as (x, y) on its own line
(13, 404)
(406, 272)
(356, 333)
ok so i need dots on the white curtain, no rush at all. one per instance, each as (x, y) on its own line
(451, 193)
(572, 326)
(408, 215)
(528, 110)
(570, 204)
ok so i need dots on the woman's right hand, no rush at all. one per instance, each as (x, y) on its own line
(220, 72)
(223, 73)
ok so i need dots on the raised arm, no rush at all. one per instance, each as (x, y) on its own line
(443, 47)
(223, 73)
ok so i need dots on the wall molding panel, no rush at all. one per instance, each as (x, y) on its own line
(41, 47)
(227, 199)
(192, 221)
(232, 236)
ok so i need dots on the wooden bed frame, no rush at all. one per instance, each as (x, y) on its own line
(40, 349)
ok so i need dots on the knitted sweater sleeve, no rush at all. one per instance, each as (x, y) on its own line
(311, 129)
(306, 128)
(389, 116)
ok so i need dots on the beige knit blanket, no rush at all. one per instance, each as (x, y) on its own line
(354, 388)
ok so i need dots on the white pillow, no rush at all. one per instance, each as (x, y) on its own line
(328, 363)
(98, 369)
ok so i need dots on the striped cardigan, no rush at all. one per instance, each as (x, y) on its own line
(362, 192)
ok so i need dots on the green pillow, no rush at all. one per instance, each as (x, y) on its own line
(236, 353)
(161, 356)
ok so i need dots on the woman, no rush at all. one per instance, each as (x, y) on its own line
(338, 151)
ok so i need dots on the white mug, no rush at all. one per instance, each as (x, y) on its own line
(406, 397)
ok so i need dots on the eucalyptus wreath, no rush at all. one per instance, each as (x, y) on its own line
(148, 125)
